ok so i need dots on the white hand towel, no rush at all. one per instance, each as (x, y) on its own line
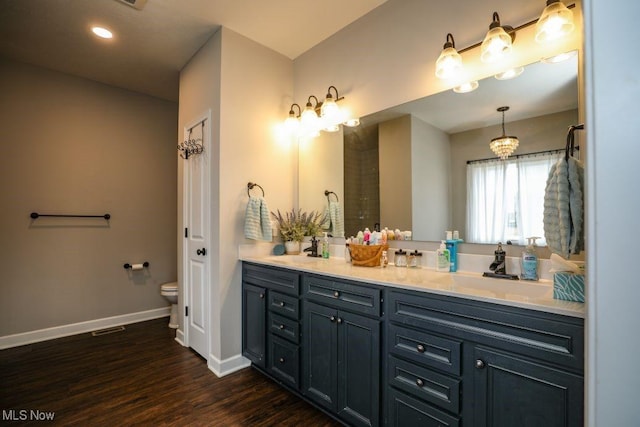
(337, 219)
(257, 224)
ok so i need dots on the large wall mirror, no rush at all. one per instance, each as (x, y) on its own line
(406, 167)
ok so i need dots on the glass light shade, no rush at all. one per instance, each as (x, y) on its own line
(330, 113)
(292, 125)
(449, 64)
(504, 146)
(555, 22)
(466, 87)
(352, 122)
(510, 73)
(496, 45)
(309, 120)
(560, 57)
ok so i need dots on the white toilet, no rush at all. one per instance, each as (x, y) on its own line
(170, 292)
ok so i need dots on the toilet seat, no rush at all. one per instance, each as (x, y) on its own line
(170, 288)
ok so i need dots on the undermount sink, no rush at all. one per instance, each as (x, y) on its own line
(500, 287)
(294, 259)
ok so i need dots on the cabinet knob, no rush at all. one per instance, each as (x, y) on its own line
(281, 326)
(332, 318)
(479, 364)
(281, 303)
(420, 348)
(281, 360)
(419, 382)
(336, 294)
(339, 320)
(261, 295)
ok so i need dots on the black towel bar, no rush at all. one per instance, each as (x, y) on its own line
(35, 215)
(250, 186)
(327, 193)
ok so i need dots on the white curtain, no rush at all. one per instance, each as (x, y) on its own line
(505, 199)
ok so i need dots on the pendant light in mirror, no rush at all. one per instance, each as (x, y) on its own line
(503, 146)
(449, 63)
(466, 87)
(498, 43)
(509, 74)
(555, 22)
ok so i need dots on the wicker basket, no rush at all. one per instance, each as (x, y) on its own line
(366, 255)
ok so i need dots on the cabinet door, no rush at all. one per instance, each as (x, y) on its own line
(510, 391)
(319, 354)
(254, 324)
(358, 369)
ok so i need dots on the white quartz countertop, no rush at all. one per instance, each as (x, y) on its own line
(516, 293)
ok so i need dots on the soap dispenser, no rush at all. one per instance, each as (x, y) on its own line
(325, 246)
(443, 263)
(529, 261)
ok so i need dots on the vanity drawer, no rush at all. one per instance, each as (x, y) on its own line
(426, 349)
(284, 304)
(407, 411)
(551, 337)
(286, 328)
(425, 384)
(342, 295)
(281, 280)
(284, 361)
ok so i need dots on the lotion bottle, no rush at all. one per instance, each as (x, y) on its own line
(529, 261)
(443, 263)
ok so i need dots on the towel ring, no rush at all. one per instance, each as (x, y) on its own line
(250, 186)
(568, 151)
(327, 193)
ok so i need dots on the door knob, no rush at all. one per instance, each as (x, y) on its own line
(202, 251)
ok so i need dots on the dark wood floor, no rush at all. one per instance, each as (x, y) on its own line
(141, 377)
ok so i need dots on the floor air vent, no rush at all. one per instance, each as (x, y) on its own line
(107, 331)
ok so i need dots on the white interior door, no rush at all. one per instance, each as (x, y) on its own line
(196, 257)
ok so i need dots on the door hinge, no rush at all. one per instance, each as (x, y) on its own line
(186, 311)
(186, 233)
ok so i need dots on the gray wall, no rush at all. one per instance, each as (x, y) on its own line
(70, 145)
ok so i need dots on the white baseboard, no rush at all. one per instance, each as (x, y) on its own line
(30, 337)
(180, 337)
(227, 366)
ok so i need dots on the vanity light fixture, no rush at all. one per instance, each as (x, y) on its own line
(330, 113)
(292, 123)
(467, 87)
(555, 22)
(449, 63)
(511, 73)
(504, 145)
(309, 119)
(498, 43)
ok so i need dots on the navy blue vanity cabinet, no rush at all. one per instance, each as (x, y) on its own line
(271, 321)
(454, 361)
(341, 348)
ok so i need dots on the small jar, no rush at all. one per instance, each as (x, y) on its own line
(400, 258)
(384, 260)
(414, 259)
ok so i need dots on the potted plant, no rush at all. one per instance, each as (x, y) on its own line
(294, 225)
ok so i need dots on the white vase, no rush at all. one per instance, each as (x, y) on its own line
(292, 248)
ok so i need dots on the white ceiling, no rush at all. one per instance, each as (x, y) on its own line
(151, 46)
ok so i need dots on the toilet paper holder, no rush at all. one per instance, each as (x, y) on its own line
(128, 266)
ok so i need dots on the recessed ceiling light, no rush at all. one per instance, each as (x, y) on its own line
(102, 32)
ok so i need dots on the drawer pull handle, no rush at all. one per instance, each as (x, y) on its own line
(332, 318)
(339, 320)
(420, 348)
(336, 294)
(479, 364)
(282, 360)
(419, 383)
(281, 303)
(281, 326)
